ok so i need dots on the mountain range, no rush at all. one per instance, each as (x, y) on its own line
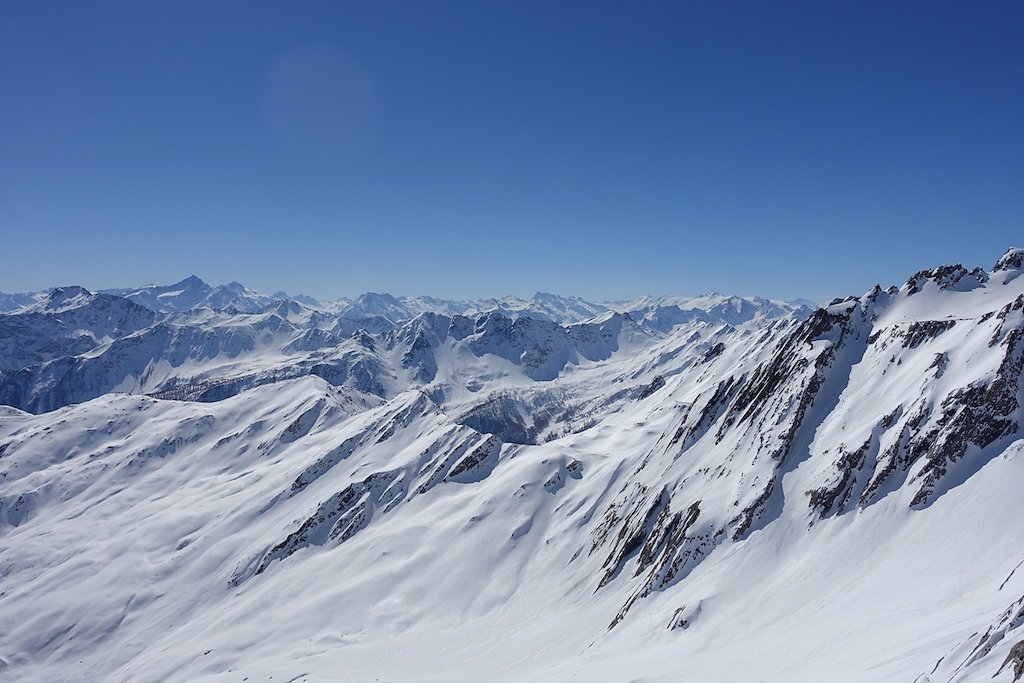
(192, 293)
(210, 484)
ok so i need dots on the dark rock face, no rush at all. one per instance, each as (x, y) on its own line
(688, 433)
(1015, 657)
(657, 383)
(660, 539)
(952, 439)
(475, 460)
(788, 361)
(636, 529)
(770, 406)
(946, 277)
(713, 353)
(313, 340)
(460, 327)
(742, 522)
(361, 372)
(543, 348)
(1004, 313)
(898, 457)
(832, 498)
(338, 517)
(668, 552)
(976, 415)
(792, 382)
(325, 463)
(920, 332)
(537, 415)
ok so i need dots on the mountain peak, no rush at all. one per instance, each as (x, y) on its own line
(1013, 259)
(946, 277)
(59, 296)
(192, 282)
(377, 297)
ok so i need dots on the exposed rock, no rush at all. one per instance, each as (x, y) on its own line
(684, 617)
(690, 433)
(743, 521)
(920, 332)
(1013, 259)
(657, 383)
(975, 415)
(713, 353)
(477, 459)
(847, 465)
(946, 277)
(420, 359)
(900, 455)
(338, 517)
(633, 533)
(1015, 657)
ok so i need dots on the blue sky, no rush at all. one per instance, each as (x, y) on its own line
(464, 149)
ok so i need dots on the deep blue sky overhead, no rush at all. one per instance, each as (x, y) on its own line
(464, 149)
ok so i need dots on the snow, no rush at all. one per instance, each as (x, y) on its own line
(655, 523)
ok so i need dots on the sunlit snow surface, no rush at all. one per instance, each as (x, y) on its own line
(300, 530)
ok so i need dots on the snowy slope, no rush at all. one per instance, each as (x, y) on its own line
(764, 497)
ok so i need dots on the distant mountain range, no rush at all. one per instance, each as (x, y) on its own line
(192, 293)
(69, 345)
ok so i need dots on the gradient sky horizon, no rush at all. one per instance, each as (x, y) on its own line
(469, 149)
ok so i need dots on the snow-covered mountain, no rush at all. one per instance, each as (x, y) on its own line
(192, 293)
(98, 343)
(701, 489)
(67, 322)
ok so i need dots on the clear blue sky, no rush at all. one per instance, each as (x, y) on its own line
(463, 149)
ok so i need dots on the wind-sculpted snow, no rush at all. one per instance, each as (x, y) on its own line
(737, 493)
